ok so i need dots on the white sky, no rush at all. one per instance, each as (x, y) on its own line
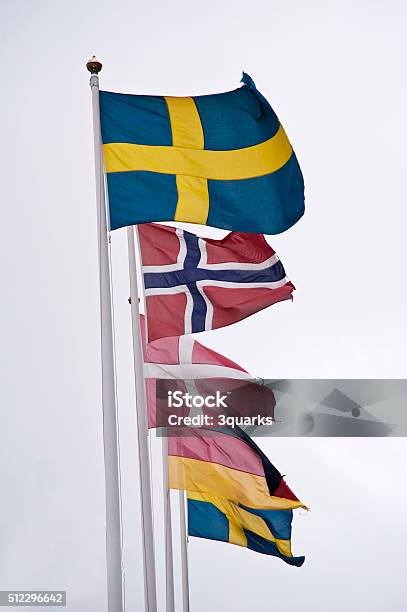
(335, 73)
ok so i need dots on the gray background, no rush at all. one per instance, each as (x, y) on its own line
(335, 73)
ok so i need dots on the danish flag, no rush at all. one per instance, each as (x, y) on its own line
(194, 284)
(199, 370)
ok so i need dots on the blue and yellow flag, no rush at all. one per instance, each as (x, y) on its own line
(222, 160)
(263, 531)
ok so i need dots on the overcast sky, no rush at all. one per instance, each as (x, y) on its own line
(335, 74)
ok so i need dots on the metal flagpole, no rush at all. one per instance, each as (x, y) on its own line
(169, 561)
(169, 565)
(184, 552)
(110, 441)
(142, 433)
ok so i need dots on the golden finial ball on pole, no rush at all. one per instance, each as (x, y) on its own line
(93, 65)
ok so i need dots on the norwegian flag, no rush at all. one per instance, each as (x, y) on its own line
(200, 370)
(194, 284)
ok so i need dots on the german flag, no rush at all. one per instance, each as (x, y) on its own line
(226, 463)
(263, 531)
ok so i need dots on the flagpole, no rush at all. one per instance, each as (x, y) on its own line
(184, 552)
(169, 559)
(142, 433)
(110, 439)
(169, 564)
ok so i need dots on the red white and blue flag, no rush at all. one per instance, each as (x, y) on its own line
(195, 284)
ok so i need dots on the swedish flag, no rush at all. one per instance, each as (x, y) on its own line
(263, 531)
(222, 160)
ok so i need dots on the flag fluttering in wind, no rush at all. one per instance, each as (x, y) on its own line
(227, 463)
(263, 531)
(199, 369)
(183, 357)
(194, 284)
(222, 160)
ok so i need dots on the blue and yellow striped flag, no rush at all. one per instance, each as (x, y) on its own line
(222, 160)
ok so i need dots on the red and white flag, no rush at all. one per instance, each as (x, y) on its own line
(200, 370)
(194, 284)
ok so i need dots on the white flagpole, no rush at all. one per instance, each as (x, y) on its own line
(184, 552)
(169, 565)
(142, 433)
(110, 440)
(169, 559)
